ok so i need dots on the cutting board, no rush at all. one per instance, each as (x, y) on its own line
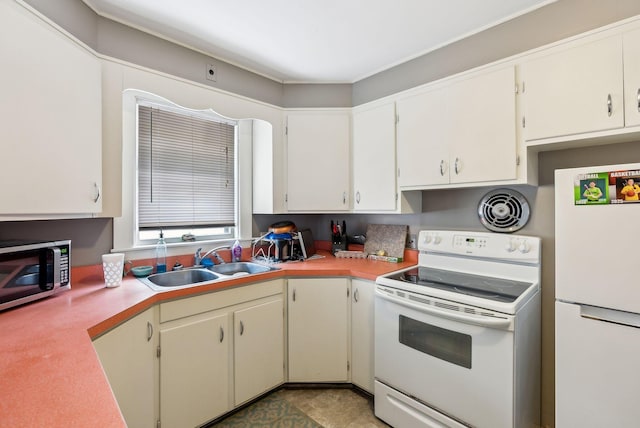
(390, 238)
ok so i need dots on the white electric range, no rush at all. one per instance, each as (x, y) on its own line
(457, 337)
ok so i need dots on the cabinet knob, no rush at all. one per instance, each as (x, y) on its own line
(638, 98)
(456, 166)
(356, 296)
(149, 331)
(241, 328)
(358, 197)
(221, 334)
(609, 105)
(442, 167)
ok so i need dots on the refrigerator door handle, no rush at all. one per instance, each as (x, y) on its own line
(609, 315)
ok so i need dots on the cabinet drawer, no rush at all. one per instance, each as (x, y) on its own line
(219, 299)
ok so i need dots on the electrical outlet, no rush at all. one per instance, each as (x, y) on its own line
(412, 241)
(212, 72)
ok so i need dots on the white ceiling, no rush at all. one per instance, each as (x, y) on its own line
(305, 41)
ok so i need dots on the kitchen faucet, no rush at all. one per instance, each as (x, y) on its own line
(198, 258)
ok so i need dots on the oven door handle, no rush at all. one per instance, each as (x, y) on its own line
(483, 321)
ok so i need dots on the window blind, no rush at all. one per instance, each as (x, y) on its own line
(186, 170)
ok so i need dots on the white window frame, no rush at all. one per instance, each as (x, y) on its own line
(125, 228)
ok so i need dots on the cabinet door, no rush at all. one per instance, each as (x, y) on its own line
(51, 119)
(194, 371)
(374, 155)
(318, 326)
(258, 349)
(128, 356)
(362, 306)
(574, 90)
(482, 138)
(631, 42)
(423, 148)
(318, 161)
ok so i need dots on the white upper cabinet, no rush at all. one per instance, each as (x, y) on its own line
(574, 89)
(462, 132)
(318, 164)
(374, 155)
(423, 147)
(631, 45)
(482, 139)
(51, 119)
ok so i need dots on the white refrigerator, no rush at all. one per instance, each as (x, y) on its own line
(597, 297)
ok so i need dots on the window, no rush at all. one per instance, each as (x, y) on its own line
(186, 173)
(128, 234)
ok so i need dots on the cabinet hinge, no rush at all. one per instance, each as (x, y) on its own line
(286, 130)
(396, 197)
(158, 423)
(523, 87)
(397, 119)
(398, 172)
(516, 88)
(518, 160)
(286, 197)
(524, 124)
(348, 293)
(158, 352)
(348, 366)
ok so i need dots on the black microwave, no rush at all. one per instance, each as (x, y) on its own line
(32, 270)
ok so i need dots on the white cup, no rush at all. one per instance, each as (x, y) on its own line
(113, 266)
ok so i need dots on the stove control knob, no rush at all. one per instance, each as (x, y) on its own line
(511, 246)
(437, 239)
(524, 247)
(427, 239)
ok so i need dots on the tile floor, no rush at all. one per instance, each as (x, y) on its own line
(304, 407)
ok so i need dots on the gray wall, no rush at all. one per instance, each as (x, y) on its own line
(553, 22)
(545, 25)
(90, 237)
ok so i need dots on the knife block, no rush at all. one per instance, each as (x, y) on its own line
(339, 245)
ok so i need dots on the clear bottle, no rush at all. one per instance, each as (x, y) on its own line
(161, 254)
(236, 252)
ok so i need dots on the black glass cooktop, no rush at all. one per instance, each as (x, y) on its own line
(497, 289)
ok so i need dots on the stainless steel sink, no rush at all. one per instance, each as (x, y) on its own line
(181, 277)
(241, 268)
(199, 276)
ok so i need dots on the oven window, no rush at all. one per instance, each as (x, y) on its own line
(441, 343)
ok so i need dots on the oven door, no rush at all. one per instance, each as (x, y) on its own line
(456, 359)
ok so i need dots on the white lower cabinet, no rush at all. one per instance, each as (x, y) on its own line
(128, 356)
(318, 310)
(212, 352)
(206, 368)
(362, 307)
(194, 370)
(188, 361)
(258, 349)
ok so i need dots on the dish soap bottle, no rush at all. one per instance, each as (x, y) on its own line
(161, 254)
(236, 252)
